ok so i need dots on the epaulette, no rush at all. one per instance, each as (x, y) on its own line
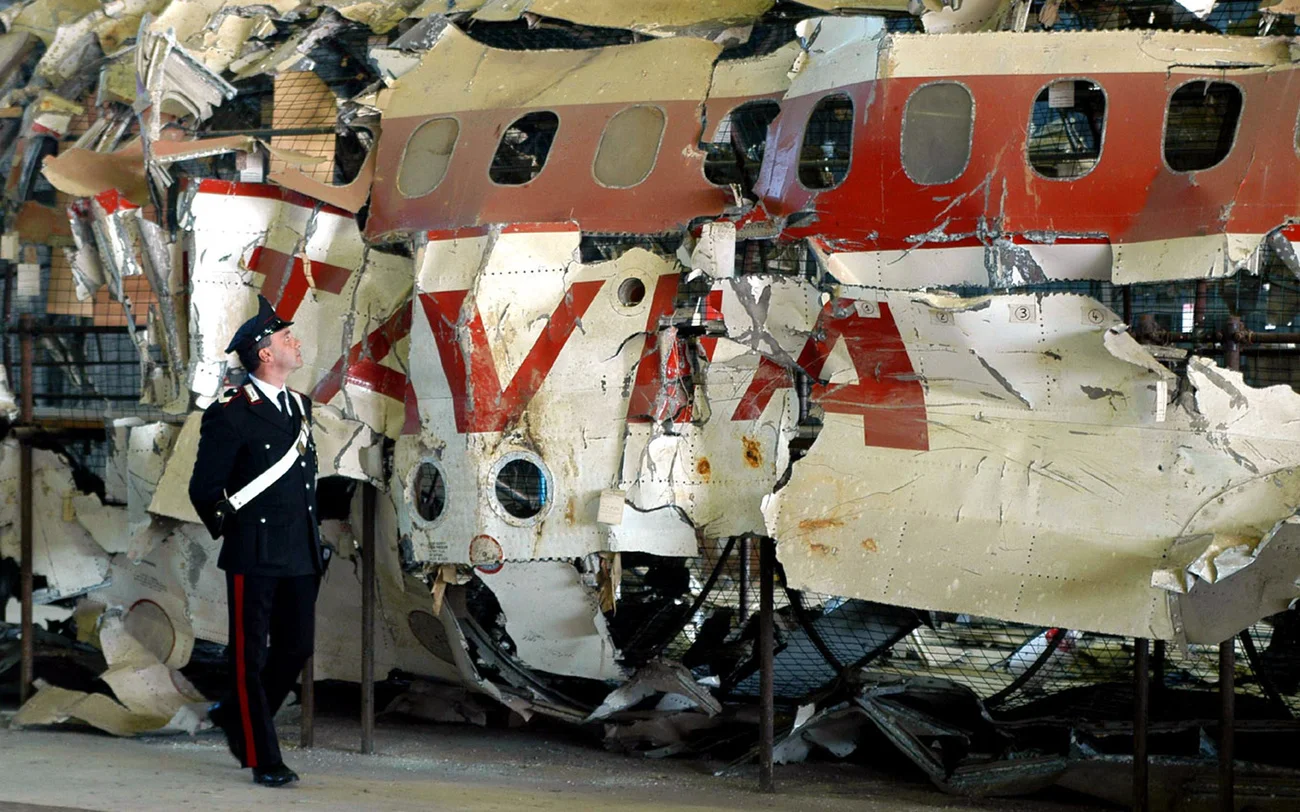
(228, 395)
(251, 392)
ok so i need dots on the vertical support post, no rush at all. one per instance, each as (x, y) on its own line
(1128, 305)
(307, 730)
(766, 655)
(26, 670)
(367, 619)
(746, 546)
(1141, 716)
(1227, 672)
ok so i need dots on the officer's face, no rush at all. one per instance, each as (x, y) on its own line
(285, 351)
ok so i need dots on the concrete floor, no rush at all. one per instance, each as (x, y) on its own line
(431, 767)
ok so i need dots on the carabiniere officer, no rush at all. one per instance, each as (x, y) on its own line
(254, 486)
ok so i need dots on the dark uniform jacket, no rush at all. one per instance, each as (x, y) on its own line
(277, 533)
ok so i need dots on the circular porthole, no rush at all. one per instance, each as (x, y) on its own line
(522, 487)
(428, 491)
(632, 292)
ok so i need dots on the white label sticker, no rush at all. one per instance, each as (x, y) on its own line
(866, 309)
(1162, 400)
(9, 246)
(611, 507)
(1060, 94)
(29, 279)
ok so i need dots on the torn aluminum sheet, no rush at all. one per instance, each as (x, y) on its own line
(522, 395)
(171, 595)
(465, 88)
(175, 82)
(308, 259)
(217, 31)
(992, 219)
(150, 697)
(569, 638)
(148, 448)
(62, 551)
(1051, 457)
(43, 18)
(658, 677)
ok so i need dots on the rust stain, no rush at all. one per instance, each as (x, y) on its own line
(753, 456)
(821, 549)
(820, 524)
(703, 468)
(870, 545)
(570, 513)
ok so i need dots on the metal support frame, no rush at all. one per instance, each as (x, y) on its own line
(767, 653)
(367, 618)
(1141, 718)
(26, 671)
(745, 577)
(307, 729)
(1227, 671)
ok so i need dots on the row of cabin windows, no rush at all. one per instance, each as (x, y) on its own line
(627, 152)
(1066, 131)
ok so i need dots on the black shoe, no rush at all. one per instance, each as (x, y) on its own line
(220, 716)
(276, 776)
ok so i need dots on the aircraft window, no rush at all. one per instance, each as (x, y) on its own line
(632, 292)
(629, 147)
(937, 127)
(521, 488)
(522, 152)
(427, 155)
(827, 143)
(736, 151)
(1066, 127)
(1201, 124)
(430, 491)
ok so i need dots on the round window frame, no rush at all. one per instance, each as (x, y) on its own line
(970, 145)
(616, 302)
(1105, 126)
(412, 498)
(500, 509)
(1236, 132)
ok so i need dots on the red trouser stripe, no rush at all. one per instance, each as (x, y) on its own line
(250, 752)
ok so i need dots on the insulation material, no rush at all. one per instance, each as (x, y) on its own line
(1017, 411)
(150, 696)
(310, 262)
(555, 349)
(570, 638)
(303, 101)
(63, 552)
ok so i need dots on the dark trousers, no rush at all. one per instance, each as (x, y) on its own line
(283, 611)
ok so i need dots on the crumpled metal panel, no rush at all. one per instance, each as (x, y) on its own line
(519, 351)
(309, 261)
(1065, 473)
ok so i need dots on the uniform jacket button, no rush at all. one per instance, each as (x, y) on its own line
(263, 520)
(268, 445)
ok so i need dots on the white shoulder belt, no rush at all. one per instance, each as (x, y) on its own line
(271, 475)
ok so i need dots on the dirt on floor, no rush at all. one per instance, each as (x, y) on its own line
(435, 767)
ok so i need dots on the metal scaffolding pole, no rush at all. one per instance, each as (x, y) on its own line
(767, 650)
(367, 618)
(26, 671)
(1141, 718)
